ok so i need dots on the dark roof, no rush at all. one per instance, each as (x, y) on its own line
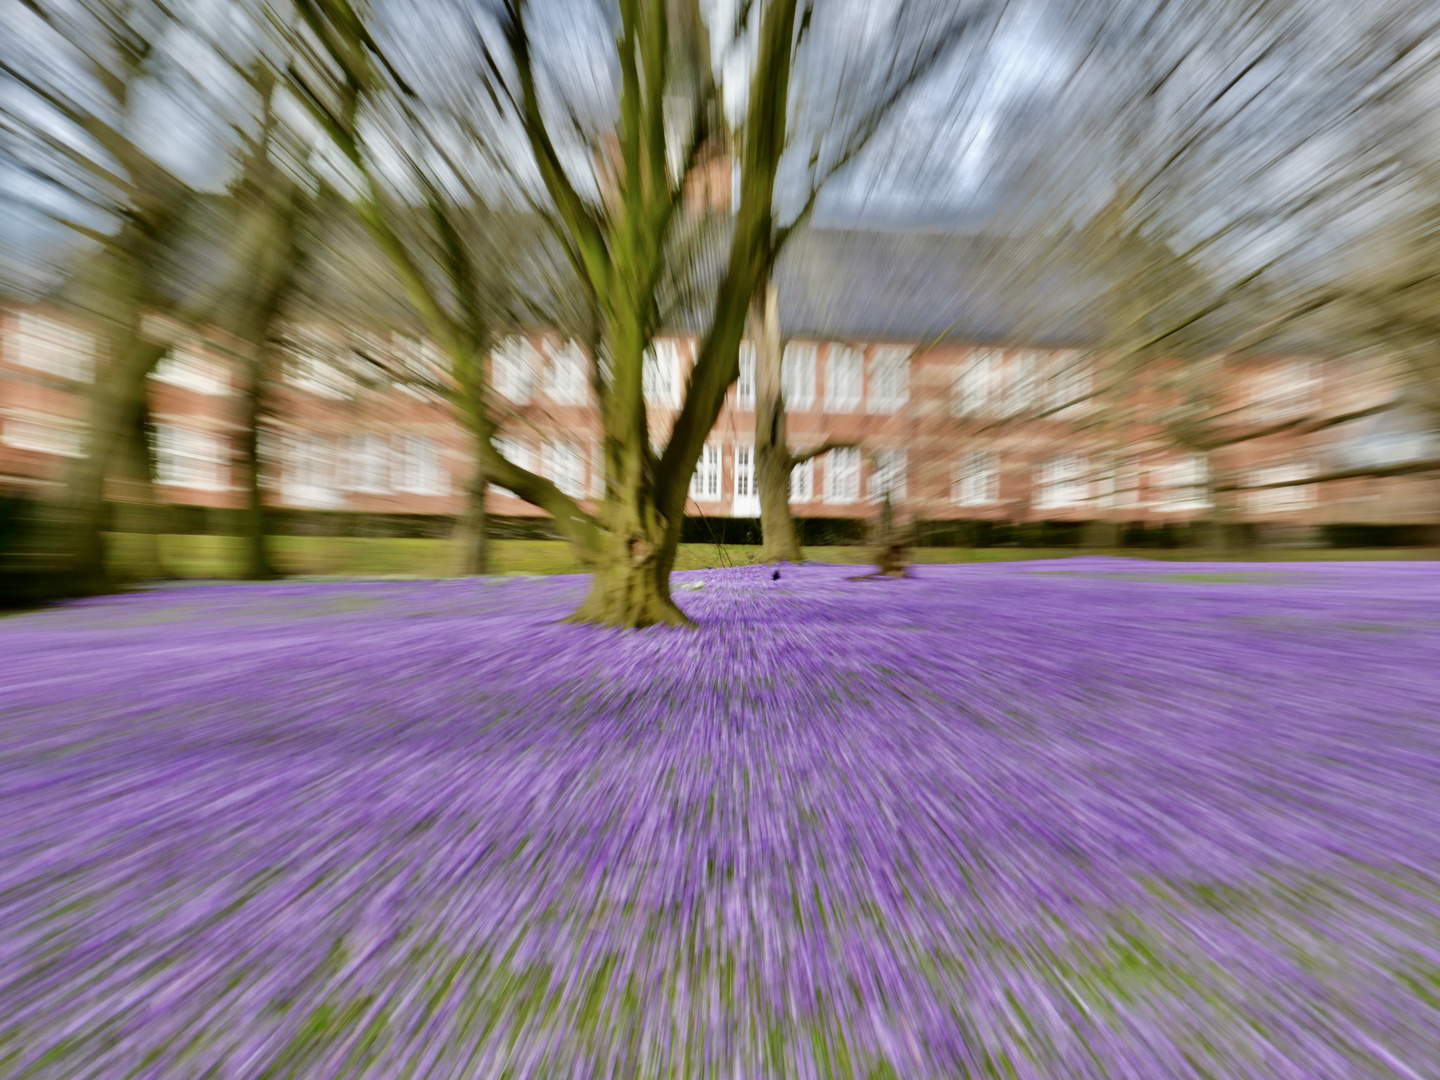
(906, 286)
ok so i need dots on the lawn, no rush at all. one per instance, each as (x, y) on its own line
(219, 557)
(1079, 818)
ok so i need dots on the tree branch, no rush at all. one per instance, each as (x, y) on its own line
(799, 457)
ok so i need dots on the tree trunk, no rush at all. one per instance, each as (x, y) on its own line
(630, 583)
(471, 539)
(116, 398)
(148, 519)
(773, 463)
(255, 527)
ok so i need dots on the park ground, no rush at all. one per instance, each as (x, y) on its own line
(220, 557)
(1081, 818)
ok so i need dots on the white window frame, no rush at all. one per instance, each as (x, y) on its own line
(25, 429)
(1285, 391)
(597, 470)
(563, 465)
(660, 374)
(1022, 382)
(513, 369)
(977, 479)
(41, 343)
(842, 475)
(187, 457)
(707, 483)
(745, 381)
(844, 378)
(1181, 484)
(368, 466)
(889, 380)
(745, 502)
(565, 382)
(409, 472)
(1285, 500)
(1070, 380)
(974, 390)
(888, 475)
(517, 451)
(1062, 482)
(311, 365)
(797, 376)
(186, 367)
(802, 481)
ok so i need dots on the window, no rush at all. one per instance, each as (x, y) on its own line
(797, 377)
(1062, 482)
(564, 466)
(187, 368)
(747, 498)
(309, 471)
(1181, 484)
(705, 484)
(512, 369)
(1022, 384)
(661, 375)
(1125, 483)
(1285, 391)
(889, 380)
(417, 466)
(368, 464)
(188, 458)
(975, 386)
(43, 434)
(802, 481)
(843, 386)
(745, 384)
(516, 451)
(1281, 500)
(977, 481)
(889, 475)
(597, 470)
(565, 374)
(842, 475)
(44, 344)
(1069, 379)
(417, 359)
(311, 365)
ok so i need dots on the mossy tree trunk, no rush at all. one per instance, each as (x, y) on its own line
(780, 541)
(774, 460)
(122, 282)
(620, 247)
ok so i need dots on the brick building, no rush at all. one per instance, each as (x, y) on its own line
(950, 430)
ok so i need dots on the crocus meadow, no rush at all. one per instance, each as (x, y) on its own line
(1083, 818)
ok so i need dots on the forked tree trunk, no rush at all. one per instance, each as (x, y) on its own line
(630, 584)
(635, 547)
(773, 463)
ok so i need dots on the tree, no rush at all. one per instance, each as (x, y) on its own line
(622, 239)
(774, 460)
(144, 206)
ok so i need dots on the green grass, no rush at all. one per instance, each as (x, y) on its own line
(211, 557)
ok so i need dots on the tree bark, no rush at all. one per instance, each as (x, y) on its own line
(630, 584)
(779, 540)
(149, 518)
(255, 516)
(471, 535)
(117, 397)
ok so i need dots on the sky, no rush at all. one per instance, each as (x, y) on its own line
(1026, 113)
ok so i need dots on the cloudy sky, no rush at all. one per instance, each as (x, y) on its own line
(1041, 104)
